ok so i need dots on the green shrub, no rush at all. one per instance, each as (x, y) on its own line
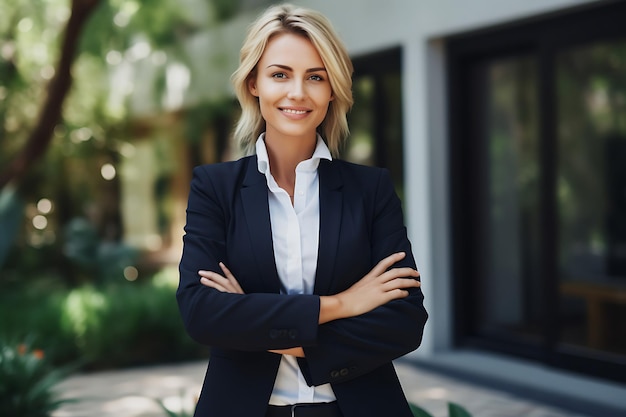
(27, 380)
(101, 260)
(130, 324)
(33, 312)
(114, 325)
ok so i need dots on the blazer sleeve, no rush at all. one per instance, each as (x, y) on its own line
(349, 348)
(248, 322)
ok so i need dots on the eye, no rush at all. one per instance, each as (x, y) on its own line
(316, 77)
(279, 75)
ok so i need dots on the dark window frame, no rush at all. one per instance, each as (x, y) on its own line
(377, 65)
(542, 37)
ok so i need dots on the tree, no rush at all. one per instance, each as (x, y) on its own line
(41, 118)
(50, 114)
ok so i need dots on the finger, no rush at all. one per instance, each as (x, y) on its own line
(399, 293)
(391, 295)
(232, 281)
(212, 284)
(207, 274)
(231, 278)
(394, 273)
(387, 262)
(223, 282)
(401, 283)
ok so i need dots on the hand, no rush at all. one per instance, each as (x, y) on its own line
(376, 288)
(227, 283)
(380, 286)
(298, 352)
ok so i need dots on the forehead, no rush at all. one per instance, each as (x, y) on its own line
(292, 50)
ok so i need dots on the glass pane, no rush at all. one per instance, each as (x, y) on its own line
(392, 128)
(376, 123)
(509, 294)
(362, 142)
(591, 82)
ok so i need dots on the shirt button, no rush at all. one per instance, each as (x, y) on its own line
(301, 193)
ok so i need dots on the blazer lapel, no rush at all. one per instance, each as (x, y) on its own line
(330, 224)
(254, 196)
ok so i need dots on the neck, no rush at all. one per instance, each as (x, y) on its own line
(285, 155)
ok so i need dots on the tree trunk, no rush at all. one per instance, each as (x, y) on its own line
(51, 111)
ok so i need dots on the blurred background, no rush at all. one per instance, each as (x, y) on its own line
(503, 124)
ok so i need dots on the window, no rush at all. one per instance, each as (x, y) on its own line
(376, 117)
(538, 168)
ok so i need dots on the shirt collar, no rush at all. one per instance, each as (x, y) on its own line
(321, 152)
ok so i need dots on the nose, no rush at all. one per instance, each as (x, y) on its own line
(296, 90)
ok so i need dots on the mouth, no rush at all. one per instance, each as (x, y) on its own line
(293, 111)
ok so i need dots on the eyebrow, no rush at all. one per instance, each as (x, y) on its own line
(285, 67)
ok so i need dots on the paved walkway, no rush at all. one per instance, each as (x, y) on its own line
(133, 393)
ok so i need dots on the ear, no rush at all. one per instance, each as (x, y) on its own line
(252, 86)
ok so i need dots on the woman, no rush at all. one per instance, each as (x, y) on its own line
(296, 268)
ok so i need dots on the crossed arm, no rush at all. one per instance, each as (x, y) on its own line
(380, 286)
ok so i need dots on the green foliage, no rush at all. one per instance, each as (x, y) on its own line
(145, 35)
(225, 9)
(117, 22)
(454, 410)
(115, 325)
(27, 380)
(101, 259)
(171, 413)
(418, 411)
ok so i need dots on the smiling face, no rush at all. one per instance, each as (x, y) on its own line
(292, 86)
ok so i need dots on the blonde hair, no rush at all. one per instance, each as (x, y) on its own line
(287, 18)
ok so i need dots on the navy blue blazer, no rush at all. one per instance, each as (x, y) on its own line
(361, 222)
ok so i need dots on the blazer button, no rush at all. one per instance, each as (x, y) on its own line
(344, 372)
(293, 333)
(334, 374)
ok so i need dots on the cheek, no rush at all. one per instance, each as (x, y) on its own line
(326, 95)
(324, 99)
(267, 89)
(265, 95)
(264, 107)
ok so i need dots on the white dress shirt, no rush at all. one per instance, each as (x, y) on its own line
(295, 235)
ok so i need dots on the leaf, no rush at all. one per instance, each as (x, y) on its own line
(169, 412)
(418, 411)
(456, 410)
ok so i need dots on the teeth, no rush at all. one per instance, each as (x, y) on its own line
(294, 111)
